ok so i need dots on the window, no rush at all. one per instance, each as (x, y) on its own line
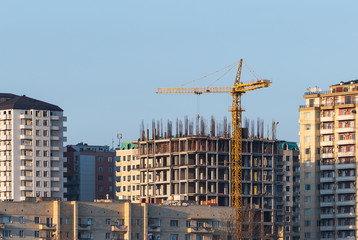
(110, 159)
(287, 228)
(307, 114)
(187, 237)
(307, 235)
(307, 199)
(38, 143)
(307, 223)
(45, 174)
(287, 188)
(21, 233)
(307, 175)
(287, 178)
(308, 126)
(45, 153)
(37, 220)
(110, 169)
(37, 234)
(188, 224)
(174, 223)
(45, 142)
(110, 179)
(308, 163)
(38, 153)
(100, 169)
(6, 219)
(173, 236)
(137, 222)
(124, 188)
(100, 188)
(307, 211)
(45, 163)
(38, 184)
(67, 221)
(307, 139)
(100, 159)
(199, 237)
(45, 122)
(89, 221)
(307, 187)
(6, 233)
(287, 168)
(307, 150)
(21, 219)
(287, 219)
(100, 178)
(45, 133)
(45, 184)
(108, 235)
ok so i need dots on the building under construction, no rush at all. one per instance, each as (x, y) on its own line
(192, 166)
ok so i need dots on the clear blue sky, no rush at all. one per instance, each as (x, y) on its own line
(101, 61)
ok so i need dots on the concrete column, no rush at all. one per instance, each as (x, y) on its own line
(145, 221)
(75, 219)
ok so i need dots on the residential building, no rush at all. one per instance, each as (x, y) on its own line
(31, 148)
(328, 123)
(127, 172)
(90, 172)
(196, 169)
(46, 218)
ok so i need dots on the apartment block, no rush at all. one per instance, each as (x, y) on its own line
(196, 169)
(31, 148)
(90, 172)
(46, 218)
(127, 172)
(328, 162)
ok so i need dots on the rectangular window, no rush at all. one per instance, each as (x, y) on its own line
(174, 223)
(188, 224)
(307, 211)
(100, 159)
(67, 221)
(108, 235)
(173, 236)
(37, 234)
(6, 219)
(21, 219)
(21, 233)
(307, 139)
(308, 126)
(37, 220)
(45, 174)
(6, 233)
(89, 221)
(307, 187)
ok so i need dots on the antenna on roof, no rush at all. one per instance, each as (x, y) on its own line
(119, 137)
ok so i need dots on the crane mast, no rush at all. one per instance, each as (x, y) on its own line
(236, 110)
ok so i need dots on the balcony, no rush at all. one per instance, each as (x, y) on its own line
(326, 143)
(346, 190)
(5, 178)
(345, 129)
(326, 228)
(345, 117)
(346, 142)
(326, 191)
(55, 148)
(5, 127)
(346, 179)
(64, 129)
(327, 131)
(346, 154)
(55, 189)
(56, 169)
(26, 178)
(326, 167)
(25, 147)
(25, 157)
(119, 228)
(55, 128)
(326, 204)
(84, 227)
(5, 137)
(55, 158)
(345, 203)
(45, 227)
(26, 188)
(5, 158)
(327, 119)
(26, 168)
(23, 126)
(327, 155)
(199, 230)
(26, 116)
(326, 216)
(55, 118)
(326, 179)
(23, 136)
(345, 227)
(55, 179)
(345, 215)
(55, 138)
(2, 225)
(346, 166)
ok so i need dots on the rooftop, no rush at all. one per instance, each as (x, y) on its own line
(23, 102)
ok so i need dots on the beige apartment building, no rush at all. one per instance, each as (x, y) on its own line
(328, 123)
(46, 219)
(127, 172)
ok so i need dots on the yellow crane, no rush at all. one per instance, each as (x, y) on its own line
(236, 92)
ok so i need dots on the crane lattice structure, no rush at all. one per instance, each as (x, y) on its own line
(236, 110)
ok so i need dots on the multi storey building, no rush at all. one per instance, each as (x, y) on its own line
(90, 172)
(328, 124)
(127, 172)
(197, 169)
(31, 148)
(113, 219)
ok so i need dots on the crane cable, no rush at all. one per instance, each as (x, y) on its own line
(231, 65)
(222, 75)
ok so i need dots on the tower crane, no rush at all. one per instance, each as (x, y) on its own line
(236, 110)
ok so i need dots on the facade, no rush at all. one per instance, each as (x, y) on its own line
(31, 148)
(197, 170)
(127, 172)
(112, 219)
(90, 172)
(328, 162)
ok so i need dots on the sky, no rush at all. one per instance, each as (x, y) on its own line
(102, 61)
